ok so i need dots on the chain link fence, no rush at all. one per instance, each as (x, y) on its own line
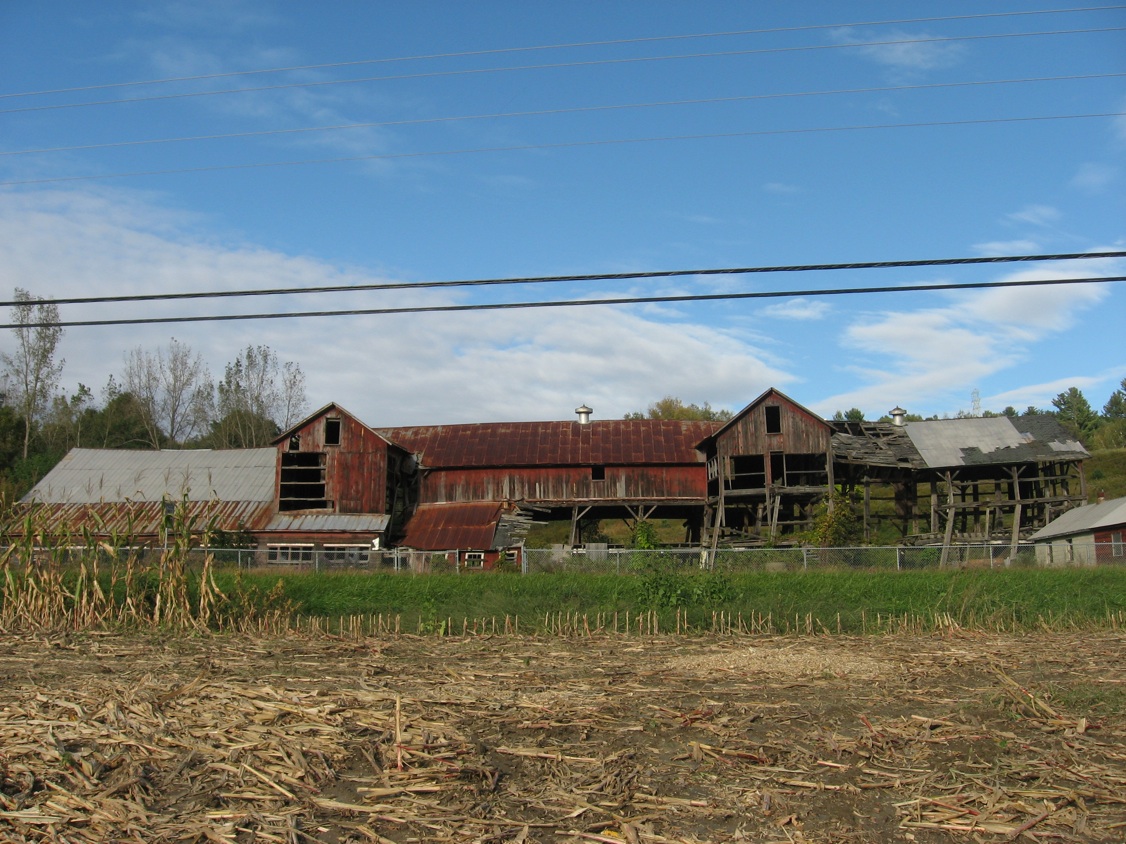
(603, 560)
(600, 559)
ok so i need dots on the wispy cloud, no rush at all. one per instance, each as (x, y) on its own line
(1035, 215)
(1095, 177)
(905, 53)
(1007, 247)
(781, 188)
(802, 309)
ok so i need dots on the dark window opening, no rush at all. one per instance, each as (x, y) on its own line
(302, 484)
(777, 468)
(332, 432)
(747, 472)
(598, 473)
(295, 442)
(773, 419)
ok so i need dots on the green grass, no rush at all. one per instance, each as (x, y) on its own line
(1106, 471)
(851, 602)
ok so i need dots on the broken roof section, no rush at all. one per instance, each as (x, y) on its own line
(480, 525)
(948, 443)
(610, 442)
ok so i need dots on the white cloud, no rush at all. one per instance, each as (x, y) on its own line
(781, 188)
(797, 309)
(915, 358)
(903, 52)
(1036, 215)
(1094, 177)
(1007, 247)
(405, 369)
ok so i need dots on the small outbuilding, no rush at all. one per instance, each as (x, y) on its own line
(1094, 533)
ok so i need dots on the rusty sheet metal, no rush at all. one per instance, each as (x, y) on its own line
(619, 442)
(444, 527)
(138, 519)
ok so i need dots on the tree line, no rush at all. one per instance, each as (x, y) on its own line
(162, 398)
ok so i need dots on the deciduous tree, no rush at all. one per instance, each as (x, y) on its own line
(671, 407)
(32, 371)
(172, 386)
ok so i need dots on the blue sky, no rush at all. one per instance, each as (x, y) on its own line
(495, 140)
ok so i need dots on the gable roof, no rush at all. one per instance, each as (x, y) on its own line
(615, 442)
(1085, 519)
(324, 411)
(769, 392)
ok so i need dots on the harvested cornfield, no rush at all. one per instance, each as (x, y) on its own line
(954, 737)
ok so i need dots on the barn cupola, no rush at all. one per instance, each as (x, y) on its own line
(584, 414)
(898, 416)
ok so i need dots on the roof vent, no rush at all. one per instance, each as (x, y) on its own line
(584, 414)
(898, 416)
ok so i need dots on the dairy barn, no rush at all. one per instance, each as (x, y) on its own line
(333, 489)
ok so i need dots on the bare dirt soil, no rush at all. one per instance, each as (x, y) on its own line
(968, 737)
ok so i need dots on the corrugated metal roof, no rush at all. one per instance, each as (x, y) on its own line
(1085, 519)
(946, 443)
(90, 476)
(142, 519)
(444, 527)
(611, 442)
(329, 522)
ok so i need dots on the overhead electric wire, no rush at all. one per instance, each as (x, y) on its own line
(573, 45)
(557, 66)
(619, 276)
(630, 300)
(559, 145)
(884, 89)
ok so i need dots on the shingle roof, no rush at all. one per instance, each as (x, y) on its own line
(946, 443)
(615, 442)
(1085, 519)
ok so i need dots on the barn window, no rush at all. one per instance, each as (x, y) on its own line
(773, 419)
(598, 473)
(1116, 544)
(332, 432)
(474, 559)
(289, 554)
(347, 555)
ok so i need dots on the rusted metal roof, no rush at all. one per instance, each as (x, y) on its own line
(92, 476)
(445, 527)
(132, 520)
(610, 442)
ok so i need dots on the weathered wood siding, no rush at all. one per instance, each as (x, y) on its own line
(564, 483)
(355, 470)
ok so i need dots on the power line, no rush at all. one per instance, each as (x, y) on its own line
(561, 145)
(576, 110)
(631, 300)
(551, 279)
(541, 47)
(557, 66)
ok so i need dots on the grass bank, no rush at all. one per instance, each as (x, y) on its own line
(833, 601)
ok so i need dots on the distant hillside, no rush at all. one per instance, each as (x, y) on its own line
(1106, 471)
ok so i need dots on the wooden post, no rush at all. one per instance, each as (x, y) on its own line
(949, 535)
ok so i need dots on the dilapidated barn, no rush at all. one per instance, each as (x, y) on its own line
(334, 485)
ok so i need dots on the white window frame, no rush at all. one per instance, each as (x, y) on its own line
(293, 553)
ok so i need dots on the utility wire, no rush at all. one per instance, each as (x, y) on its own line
(576, 110)
(541, 47)
(550, 279)
(561, 145)
(631, 300)
(557, 66)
